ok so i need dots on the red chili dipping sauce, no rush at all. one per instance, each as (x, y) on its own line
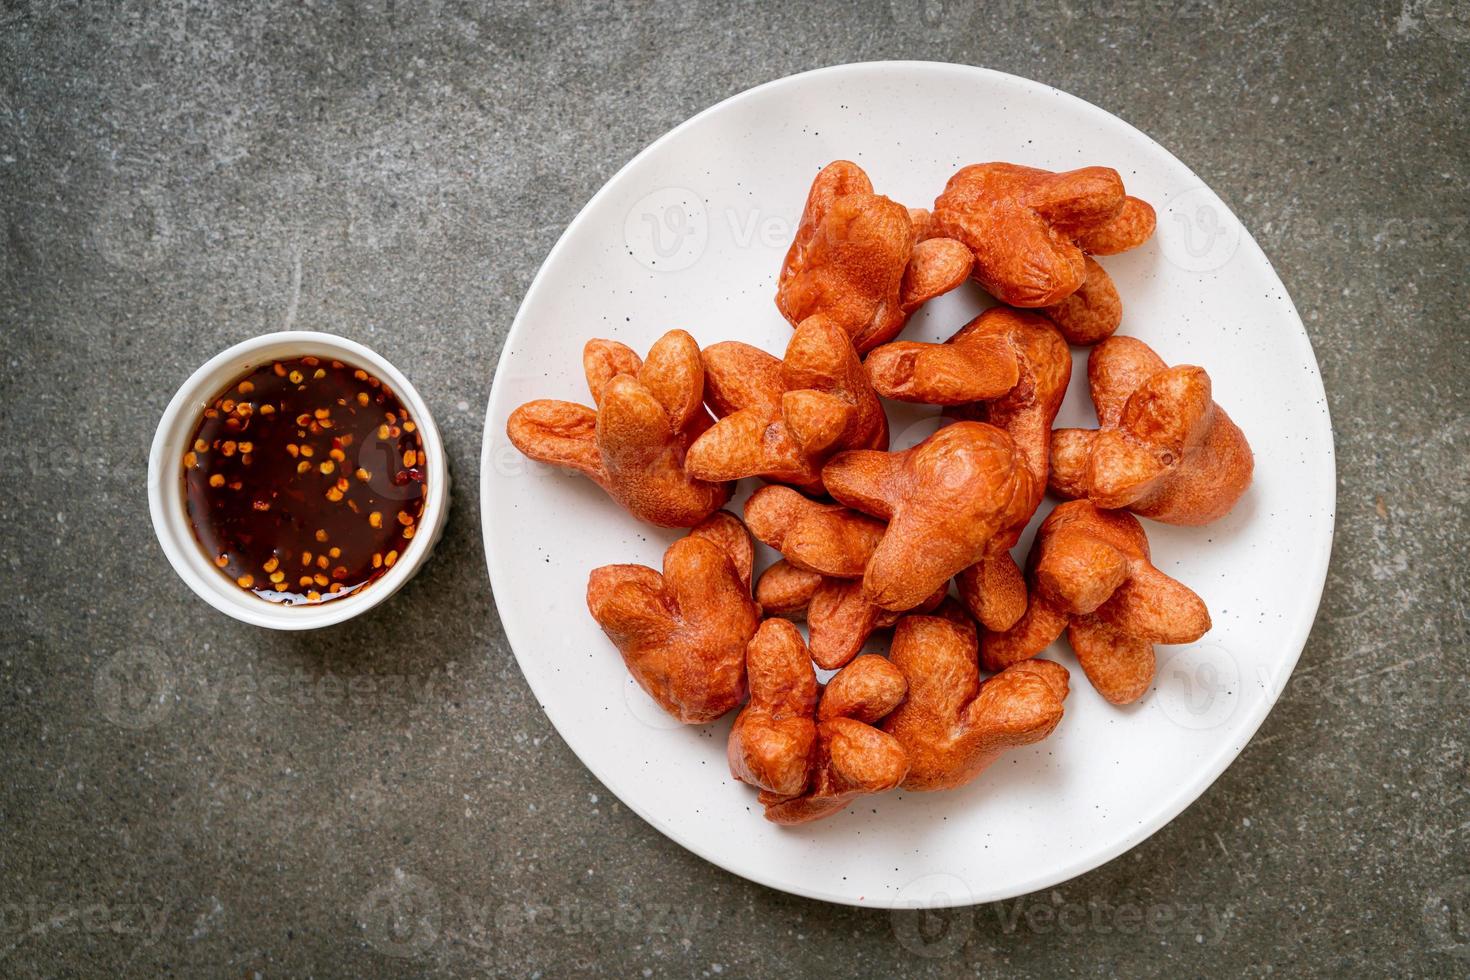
(304, 481)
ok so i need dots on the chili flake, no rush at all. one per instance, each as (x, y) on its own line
(254, 501)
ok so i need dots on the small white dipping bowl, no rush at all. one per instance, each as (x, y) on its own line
(166, 492)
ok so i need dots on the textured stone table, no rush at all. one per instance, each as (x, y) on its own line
(176, 177)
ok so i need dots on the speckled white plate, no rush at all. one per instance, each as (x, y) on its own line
(691, 234)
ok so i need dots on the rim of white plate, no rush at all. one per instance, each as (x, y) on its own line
(1168, 809)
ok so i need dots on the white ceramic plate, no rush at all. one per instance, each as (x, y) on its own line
(691, 234)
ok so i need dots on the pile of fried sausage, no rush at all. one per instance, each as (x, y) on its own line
(873, 540)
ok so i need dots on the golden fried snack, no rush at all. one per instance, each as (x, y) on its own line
(634, 442)
(781, 420)
(1089, 572)
(828, 539)
(839, 617)
(858, 259)
(1093, 312)
(785, 590)
(771, 742)
(974, 365)
(811, 756)
(952, 725)
(993, 588)
(683, 633)
(1031, 230)
(944, 500)
(1163, 448)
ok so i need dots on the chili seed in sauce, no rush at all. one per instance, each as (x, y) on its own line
(304, 480)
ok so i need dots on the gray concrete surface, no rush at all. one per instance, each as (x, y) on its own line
(175, 177)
